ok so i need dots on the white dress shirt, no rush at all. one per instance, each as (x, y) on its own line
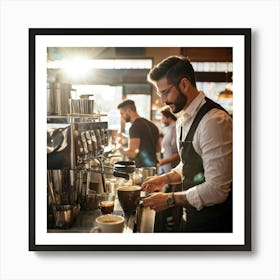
(213, 142)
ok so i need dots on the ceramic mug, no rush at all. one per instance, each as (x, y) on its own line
(108, 224)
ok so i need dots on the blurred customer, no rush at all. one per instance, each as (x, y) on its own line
(170, 157)
(144, 141)
(204, 139)
(168, 220)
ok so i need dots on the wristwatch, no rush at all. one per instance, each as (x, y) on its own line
(170, 200)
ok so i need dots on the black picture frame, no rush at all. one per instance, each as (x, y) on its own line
(244, 34)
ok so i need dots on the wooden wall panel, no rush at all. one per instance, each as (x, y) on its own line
(218, 77)
(208, 54)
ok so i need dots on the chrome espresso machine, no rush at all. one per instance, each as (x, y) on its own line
(78, 147)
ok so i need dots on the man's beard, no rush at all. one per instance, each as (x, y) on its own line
(166, 123)
(179, 103)
(127, 118)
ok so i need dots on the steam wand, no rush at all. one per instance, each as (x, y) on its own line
(102, 173)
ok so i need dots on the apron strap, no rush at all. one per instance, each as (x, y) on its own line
(206, 107)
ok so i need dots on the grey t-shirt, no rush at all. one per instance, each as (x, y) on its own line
(169, 146)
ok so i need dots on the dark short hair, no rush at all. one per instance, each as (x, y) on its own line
(127, 104)
(173, 68)
(167, 113)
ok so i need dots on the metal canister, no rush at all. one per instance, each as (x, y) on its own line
(148, 172)
(58, 95)
(145, 219)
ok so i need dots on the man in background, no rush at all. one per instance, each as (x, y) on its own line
(169, 219)
(170, 157)
(144, 142)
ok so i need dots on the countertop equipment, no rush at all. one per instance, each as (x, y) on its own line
(77, 152)
(78, 165)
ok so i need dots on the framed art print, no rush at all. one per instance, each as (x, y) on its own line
(76, 79)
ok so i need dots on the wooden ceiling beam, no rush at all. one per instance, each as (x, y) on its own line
(127, 76)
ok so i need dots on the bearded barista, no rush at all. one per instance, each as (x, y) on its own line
(144, 142)
(204, 140)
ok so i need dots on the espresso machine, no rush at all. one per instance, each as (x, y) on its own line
(77, 150)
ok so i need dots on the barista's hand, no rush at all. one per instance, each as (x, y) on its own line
(157, 201)
(121, 149)
(154, 183)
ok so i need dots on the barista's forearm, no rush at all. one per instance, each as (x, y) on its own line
(181, 199)
(170, 159)
(129, 153)
(172, 177)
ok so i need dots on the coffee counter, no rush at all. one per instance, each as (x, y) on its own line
(86, 221)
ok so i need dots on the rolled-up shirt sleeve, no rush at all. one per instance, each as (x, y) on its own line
(213, 142)
(178, 169)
